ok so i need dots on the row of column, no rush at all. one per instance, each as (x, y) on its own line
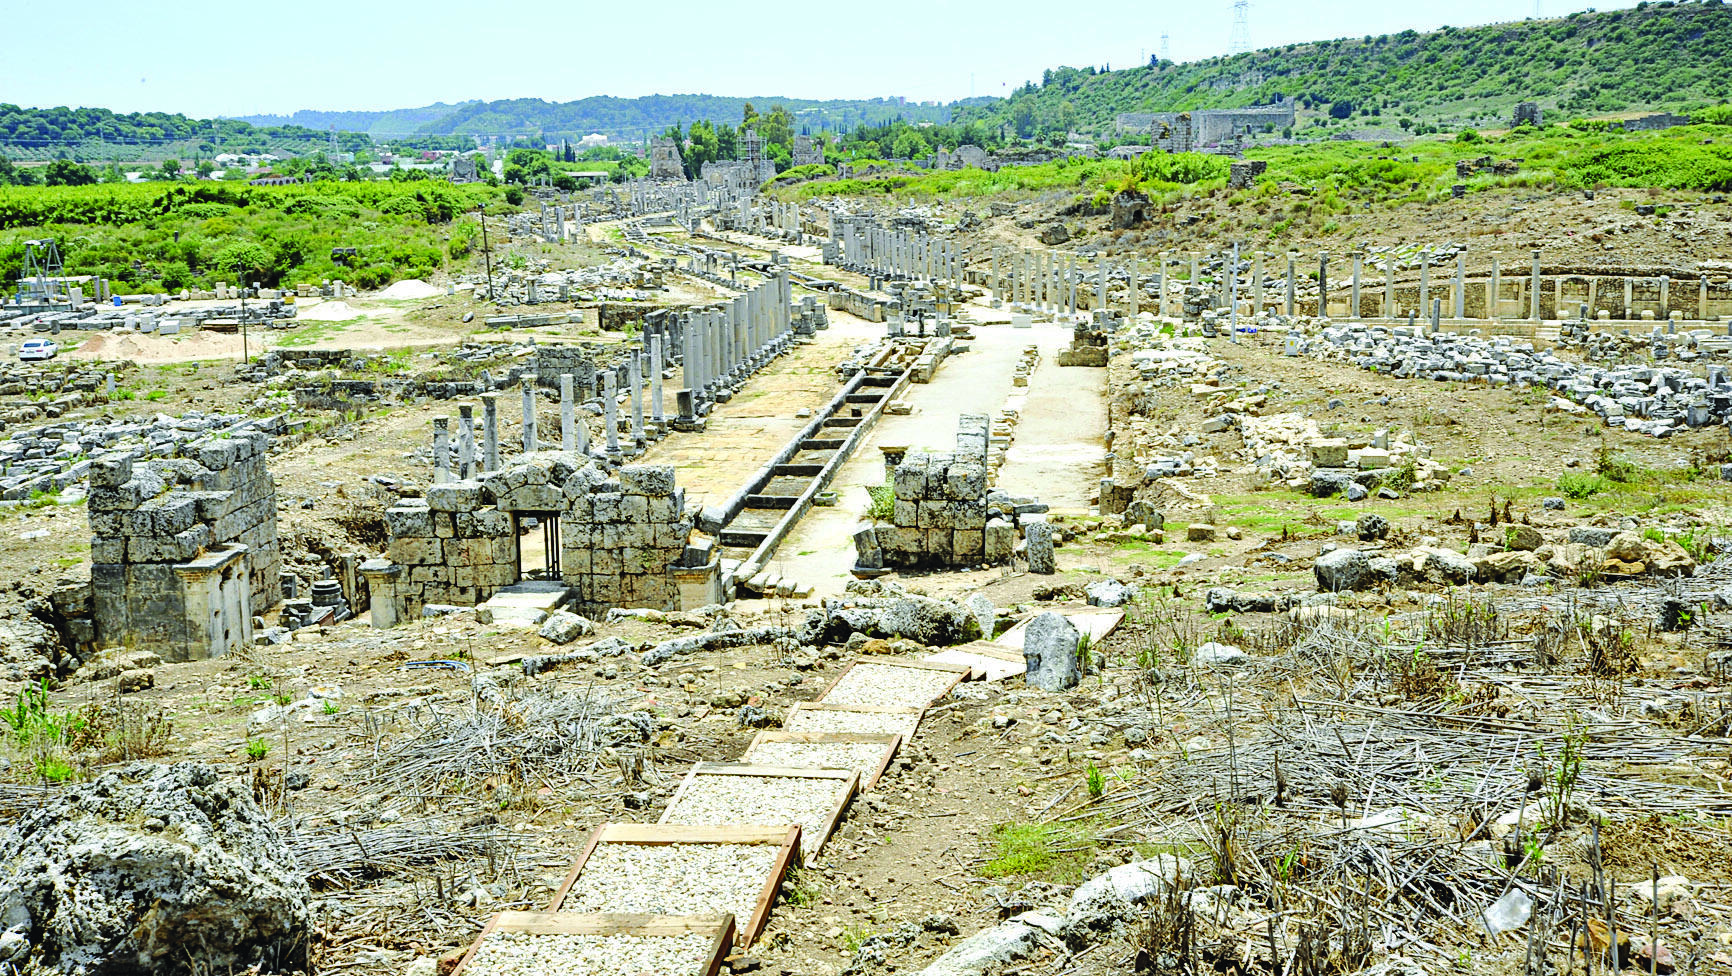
(644, 425)
(724, 345)
(872, 249)
(1048, 281)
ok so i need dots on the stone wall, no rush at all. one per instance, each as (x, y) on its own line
(447, 548)
(941, 512)
(620, 536)
(184, 549)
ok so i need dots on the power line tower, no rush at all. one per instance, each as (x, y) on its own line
(1239, 41)
(1537, 14)
(1166, 47)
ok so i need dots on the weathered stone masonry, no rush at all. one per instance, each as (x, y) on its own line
(184, 549)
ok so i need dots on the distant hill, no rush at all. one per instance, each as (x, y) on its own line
(380, 125)
(630, 119)
(98, 135)
(1656, 56)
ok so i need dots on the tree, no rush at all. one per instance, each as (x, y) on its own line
(64, 172)
(171, 169)
(705, 147)
(910, 145)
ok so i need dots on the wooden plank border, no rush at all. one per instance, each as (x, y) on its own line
(578, 923)
(868, 777)
(963, 673)
(658, 835)
(817, 838)
(799, 707)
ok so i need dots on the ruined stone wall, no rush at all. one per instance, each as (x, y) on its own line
(451, 547)
(619, 536)
(941, 512)
(184, 549)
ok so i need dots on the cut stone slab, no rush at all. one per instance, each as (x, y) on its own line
(526, 604)
(993, 662)
(1050, 646)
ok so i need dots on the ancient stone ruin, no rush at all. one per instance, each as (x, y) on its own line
(184, 548)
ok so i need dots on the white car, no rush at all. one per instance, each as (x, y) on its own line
(38, 349)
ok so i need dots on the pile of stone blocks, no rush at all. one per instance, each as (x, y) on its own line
(184, 549)
(619, 537)
(1088, 346)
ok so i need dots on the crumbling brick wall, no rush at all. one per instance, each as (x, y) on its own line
(184, 549)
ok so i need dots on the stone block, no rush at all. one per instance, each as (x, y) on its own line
(652, 480)
(444, 525)
(965, 481)
(110, 471)
(998, 541)
(412, 550)
(970, 544)
(1038, 536)
(633, 508)
(405, 520)
(456, 496)
(1329, 454)
(607, 507)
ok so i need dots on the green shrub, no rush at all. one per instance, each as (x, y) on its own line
(883, 505)
(1577, 485)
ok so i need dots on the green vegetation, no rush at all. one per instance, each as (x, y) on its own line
(1576, 484)
(1659, 55)
(257, 749)
(883, 506)
(1050, 851)
(1341, 178)
(93, 134)
(195, 234)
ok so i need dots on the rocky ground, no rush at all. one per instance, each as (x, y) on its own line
(1333, 734)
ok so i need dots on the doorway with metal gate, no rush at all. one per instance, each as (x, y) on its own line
(537, 545)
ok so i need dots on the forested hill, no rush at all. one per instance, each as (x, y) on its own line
(1657, 56)
(634, 118)
(380, 125)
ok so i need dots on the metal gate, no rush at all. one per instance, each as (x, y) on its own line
(548, 522)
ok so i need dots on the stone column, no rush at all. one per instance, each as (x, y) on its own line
(529, 442)
(567, 414)
(1702, 300)
(466, 441)
(634, 374)
(1134, 306)
(1323, 283)
(1354, 300)
(1491, 290)
(657, 416)
(1389, 287)
(1460, 285)
(490, 431)
(610, 410)
(441, 450)
(1256, 282)
(1629, 298)
(1101, 295)
(1535, 315)
(1424, 281)
(1664, 312)
(1292, 272)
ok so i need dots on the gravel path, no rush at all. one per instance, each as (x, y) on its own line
(889, 686)
(673, 879)
(822, 720)
(521, 954)
(761, 801)
(863, 757)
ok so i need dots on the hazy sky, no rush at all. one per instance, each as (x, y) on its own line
(230, 58)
